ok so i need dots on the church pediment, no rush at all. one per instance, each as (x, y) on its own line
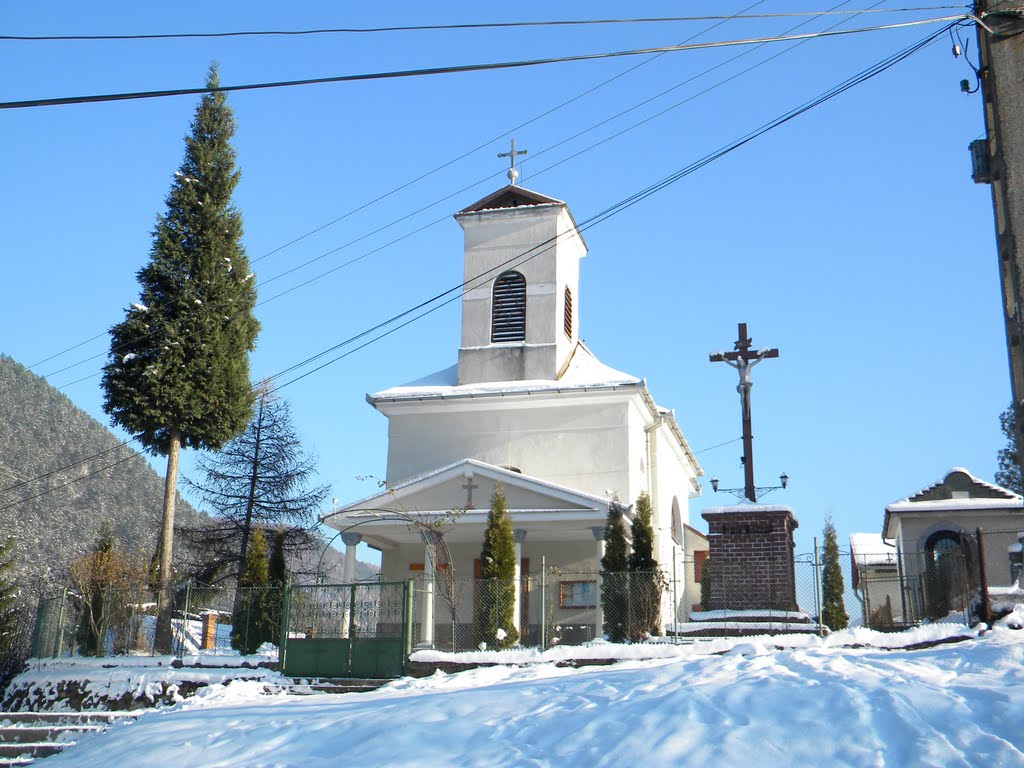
(469, 485)
(510, 196)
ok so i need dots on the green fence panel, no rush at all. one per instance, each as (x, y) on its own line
(327, 657)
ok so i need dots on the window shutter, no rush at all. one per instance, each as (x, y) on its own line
(568, 312)
(508, 308)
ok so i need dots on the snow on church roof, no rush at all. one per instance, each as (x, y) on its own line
(584, 372)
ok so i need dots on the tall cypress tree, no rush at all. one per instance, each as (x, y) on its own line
(498, 571)
(646, 580)
(178, 371)
(833, 611)
(253, 620)
(614, 564)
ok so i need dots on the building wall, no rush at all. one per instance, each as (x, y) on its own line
(1000, 526)
(575, 441)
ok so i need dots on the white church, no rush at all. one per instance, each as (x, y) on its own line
(529, 406)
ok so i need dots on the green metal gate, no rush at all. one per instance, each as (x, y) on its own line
(346, 630)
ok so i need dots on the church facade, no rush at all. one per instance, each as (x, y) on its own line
(529, 406)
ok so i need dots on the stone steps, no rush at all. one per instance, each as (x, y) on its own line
(309, 686)
(29, 736)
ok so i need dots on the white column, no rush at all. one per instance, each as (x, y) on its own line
(348, 575)
(351, 541)
(520, 534)
(598, 531)
(428, 594)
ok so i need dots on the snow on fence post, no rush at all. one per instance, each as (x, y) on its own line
(986, 614)
(543, 602)
(60, 623)
(817, 588)
(675, 605)
(282, 646)
(184, 618)
(410, 602)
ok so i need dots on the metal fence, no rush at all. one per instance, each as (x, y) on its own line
(559, 607)
(910, 588)
(205, 619)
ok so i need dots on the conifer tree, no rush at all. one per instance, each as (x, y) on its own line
(614, 564)
(260, 479)
(646, 580)
(178, 371)
(705, 584)
(254, 619)
(498, 572)
(1008, 474)
(833, 611)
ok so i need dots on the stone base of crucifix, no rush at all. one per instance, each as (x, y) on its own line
(750, 553)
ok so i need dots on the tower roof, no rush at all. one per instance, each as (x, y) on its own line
(510, 196)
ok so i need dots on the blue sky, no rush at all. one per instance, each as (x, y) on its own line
(852, 238)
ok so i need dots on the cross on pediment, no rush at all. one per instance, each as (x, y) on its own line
(469, 485)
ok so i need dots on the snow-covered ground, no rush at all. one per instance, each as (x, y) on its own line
(730, 703)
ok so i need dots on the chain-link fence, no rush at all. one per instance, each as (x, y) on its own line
(205, 619)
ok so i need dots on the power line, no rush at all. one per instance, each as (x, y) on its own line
(459, 69)
(442, 27)
(399, 189)
(454, 194)
(615, 209)
(543, 247)
(69, 482)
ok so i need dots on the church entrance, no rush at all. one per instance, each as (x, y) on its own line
(346, 630)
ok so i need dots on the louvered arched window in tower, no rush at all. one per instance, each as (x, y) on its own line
(508, 308)
(567, 312)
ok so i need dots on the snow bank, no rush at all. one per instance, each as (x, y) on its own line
(819, 704)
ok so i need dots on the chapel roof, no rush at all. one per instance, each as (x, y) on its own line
(957, 491)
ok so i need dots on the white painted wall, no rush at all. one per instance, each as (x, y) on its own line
(577, 440)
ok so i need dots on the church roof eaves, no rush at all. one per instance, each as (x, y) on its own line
(508, 191)
(529, 198)
(670, 418)
(583, 373)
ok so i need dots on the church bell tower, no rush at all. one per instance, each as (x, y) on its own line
(520, 305)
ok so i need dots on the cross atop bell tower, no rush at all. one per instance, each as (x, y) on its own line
(513, 174)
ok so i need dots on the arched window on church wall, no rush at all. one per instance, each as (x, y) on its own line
(508, 308)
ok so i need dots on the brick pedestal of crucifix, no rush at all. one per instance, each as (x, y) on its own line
(750, 553)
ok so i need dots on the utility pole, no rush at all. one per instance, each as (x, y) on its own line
(1000, 28)
(742, 358)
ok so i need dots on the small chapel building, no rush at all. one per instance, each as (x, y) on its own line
(529, 406)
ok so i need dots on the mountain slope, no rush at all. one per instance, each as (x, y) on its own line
(57, 518)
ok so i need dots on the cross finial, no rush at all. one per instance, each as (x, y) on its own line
(513, 174)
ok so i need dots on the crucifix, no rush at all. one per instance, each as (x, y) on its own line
(513, 174)
(742, 358)
(469, 486)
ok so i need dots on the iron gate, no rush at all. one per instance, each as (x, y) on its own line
(346, 630)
